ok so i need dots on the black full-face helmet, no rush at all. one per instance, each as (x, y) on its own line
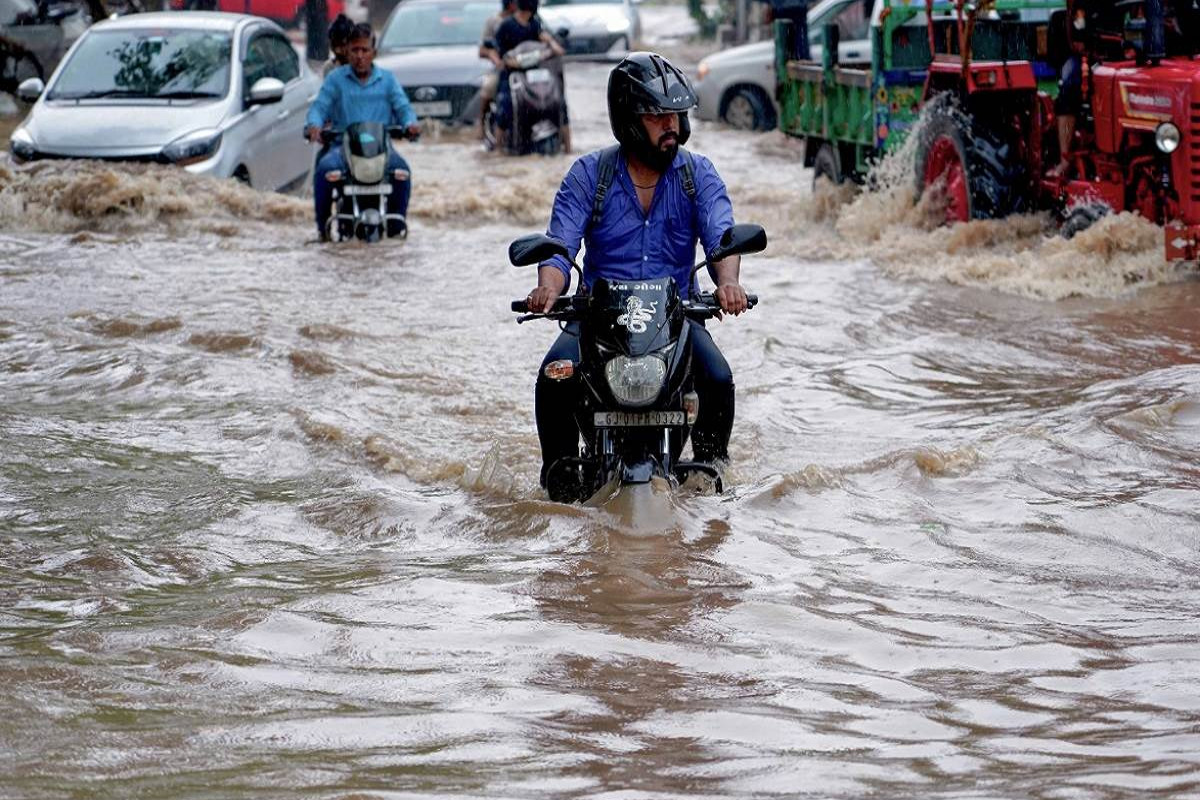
(646, 83)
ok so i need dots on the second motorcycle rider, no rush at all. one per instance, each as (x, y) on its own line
(359, 92)
(640, 207)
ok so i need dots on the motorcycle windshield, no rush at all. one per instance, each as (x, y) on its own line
(366, 140)
(635, 317)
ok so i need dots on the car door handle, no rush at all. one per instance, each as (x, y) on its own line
(853, 54)
(282, 115)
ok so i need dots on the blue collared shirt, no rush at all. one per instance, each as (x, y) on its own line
(344, 100)
(629, 244)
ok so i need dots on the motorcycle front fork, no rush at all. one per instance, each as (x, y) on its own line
(610, 462)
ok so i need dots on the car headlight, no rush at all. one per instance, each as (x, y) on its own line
(636, 381)
(193, 147)
(21, 145)
(702, 70)
(1166, 137)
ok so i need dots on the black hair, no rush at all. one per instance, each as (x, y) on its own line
(362, 31)
(340, 29)
(527, 5)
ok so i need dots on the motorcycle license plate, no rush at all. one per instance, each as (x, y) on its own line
(540, 75)
(379, 188)
(638, 419)
(437, 108)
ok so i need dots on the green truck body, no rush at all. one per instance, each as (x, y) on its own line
(866, 112)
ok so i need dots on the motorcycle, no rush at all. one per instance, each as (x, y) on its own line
(360, 194)
(638, 402)
(537, 94)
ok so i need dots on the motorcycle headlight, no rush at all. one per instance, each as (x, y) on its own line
(368, 170)
(21, 145)
(1166, 137)
(636, 381)
(193, 148)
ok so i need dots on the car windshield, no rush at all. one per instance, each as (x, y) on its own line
(146, 63)
(436, 24)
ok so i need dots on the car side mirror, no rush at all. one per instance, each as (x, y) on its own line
(534, 249)
(31, 89)
(739, 239)
(264, 92)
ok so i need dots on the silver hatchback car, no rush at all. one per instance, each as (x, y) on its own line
(218, 94)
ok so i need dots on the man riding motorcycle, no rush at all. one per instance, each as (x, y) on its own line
(523, 25)
(643, 226)
(359, 92)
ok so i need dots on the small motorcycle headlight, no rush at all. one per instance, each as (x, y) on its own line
(1166, 137)
(636, 381)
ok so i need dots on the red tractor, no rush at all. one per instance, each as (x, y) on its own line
(1124, 134)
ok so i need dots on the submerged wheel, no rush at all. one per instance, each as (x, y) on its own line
(1082, 217)
(746, 109)
(979, 172)
(827, 165)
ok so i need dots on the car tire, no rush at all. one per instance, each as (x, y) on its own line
(745, 108)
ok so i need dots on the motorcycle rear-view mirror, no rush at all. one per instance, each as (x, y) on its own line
(534, 249)
(740, 239)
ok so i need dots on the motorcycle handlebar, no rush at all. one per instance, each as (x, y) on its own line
(704, 306)
(331, 135)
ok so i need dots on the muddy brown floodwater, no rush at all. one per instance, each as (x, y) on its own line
(270, 524)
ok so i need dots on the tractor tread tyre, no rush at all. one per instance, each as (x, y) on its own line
(995, 176)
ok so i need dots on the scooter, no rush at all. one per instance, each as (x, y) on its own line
(638, 401)
(536, 91)
(360, 195)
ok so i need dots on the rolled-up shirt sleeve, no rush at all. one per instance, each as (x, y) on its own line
(572, 210)
(714, 209)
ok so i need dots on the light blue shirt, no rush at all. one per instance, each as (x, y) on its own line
(344, 100)
(628, 243)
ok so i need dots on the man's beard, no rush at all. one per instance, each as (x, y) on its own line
(659, 158)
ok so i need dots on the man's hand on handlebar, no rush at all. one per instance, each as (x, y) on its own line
(731, 297)
(541, 300)
(313, 133)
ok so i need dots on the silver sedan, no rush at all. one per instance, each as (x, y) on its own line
(217, 94)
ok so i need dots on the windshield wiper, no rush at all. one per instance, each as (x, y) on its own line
(185, 94)
(100, 93)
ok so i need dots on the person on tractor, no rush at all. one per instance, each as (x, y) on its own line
(640, 207)
(1069, 102)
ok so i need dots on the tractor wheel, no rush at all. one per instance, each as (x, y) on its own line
(978, 170)
(827, 165)
(1082, 217)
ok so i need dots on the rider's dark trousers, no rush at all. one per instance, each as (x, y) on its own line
(335, 160)
(555, 401)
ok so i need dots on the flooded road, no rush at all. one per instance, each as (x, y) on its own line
(270, 524)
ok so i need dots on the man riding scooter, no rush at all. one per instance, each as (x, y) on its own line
(360, 92)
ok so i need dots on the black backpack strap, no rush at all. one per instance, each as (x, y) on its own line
(605, 172)
(689, 174)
